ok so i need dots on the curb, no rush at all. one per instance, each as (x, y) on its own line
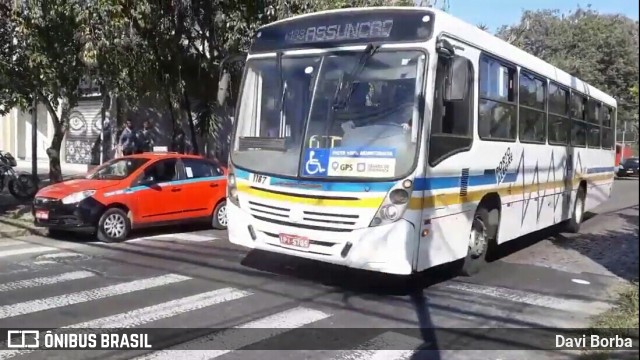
(13, 230)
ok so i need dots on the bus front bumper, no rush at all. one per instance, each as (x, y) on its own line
(387, 249)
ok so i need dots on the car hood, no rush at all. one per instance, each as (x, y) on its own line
(65, 188)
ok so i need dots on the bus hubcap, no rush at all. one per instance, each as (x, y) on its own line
(478, 238)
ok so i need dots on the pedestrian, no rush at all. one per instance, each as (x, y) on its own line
(146, 138)
(128, 139)
(178, 144)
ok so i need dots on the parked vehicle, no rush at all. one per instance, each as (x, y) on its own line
(623, 152)
(21, 186)
(629, 167)
(136, 191)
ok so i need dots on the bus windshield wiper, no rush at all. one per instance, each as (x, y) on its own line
(344, 91)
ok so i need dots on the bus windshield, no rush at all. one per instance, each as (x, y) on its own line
(330, 115)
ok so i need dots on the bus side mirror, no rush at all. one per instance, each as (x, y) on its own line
(223, 88)
(458, 75)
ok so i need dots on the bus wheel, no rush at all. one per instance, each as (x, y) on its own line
(479, 242)
(573, 224)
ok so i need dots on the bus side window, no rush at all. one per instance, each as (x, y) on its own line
(452, 121)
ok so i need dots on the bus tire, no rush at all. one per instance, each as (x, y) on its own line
(577, 215)
(480, 241)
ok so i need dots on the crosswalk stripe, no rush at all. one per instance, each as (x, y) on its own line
(151, 313)
(177, 236)
(29, 250)
(369, 350)
(165, 310)
(236, 338)
(552, 302)
(27, 307)
(47, 280)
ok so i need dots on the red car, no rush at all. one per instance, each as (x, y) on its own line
(136, 191)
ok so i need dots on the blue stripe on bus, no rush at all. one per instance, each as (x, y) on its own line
(420, 184)
(598, 170)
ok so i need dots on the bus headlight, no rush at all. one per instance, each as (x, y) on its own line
(394, 205)
(232, 189)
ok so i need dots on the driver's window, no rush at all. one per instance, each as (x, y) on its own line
(162, 171)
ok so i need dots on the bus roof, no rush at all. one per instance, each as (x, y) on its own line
(473, 35)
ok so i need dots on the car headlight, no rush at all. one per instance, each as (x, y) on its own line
(77, 196)
(394, 205)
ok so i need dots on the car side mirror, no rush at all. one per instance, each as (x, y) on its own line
(457, 83)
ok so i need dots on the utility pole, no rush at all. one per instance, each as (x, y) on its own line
(34, 139)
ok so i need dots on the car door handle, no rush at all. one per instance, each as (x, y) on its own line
(213, 185)
(176, 189)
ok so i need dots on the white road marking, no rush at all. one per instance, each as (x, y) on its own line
(152, 313)
(29, 250)
(12, 243)
(44, 262)
(552, 302)
(236, 338)
(48, 280)
(165, 310)
(61, 255)
(580, 281)
(177, 237)
(28, 307)
(370, 349)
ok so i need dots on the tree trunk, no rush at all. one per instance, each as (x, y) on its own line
(53, 152)
(192, 127)
(59, 129)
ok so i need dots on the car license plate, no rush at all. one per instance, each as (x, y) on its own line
(292, 240)
(629, 171)
(42, 214)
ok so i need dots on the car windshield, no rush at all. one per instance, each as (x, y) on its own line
(117, 169)
(293, 121)
(631, 162)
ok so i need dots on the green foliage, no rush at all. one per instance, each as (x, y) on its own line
(597, 48)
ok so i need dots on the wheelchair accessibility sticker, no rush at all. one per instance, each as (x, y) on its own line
(350, 162)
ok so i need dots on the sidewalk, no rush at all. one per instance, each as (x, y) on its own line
(43, 168)
(15, 216)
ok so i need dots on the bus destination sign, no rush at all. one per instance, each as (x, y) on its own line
(346, 28)
(376, 29)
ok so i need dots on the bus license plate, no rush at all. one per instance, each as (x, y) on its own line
(42, 214)
(292, 240)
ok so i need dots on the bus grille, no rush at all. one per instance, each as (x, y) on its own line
(309, 218)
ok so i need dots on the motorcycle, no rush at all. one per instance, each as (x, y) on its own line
(21, 186)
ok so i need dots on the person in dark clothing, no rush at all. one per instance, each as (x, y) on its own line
(178, 145)
(128, 139)
(146, 138)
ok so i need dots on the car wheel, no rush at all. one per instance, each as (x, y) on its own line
(219, 218)
(114, 226)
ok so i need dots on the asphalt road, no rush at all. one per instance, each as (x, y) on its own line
(198, 280)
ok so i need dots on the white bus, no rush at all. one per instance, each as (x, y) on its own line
(397, 139)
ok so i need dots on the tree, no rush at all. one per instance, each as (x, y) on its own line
(597, 48)
(45, 64)
(483, 27)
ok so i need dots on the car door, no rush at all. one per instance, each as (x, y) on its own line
(204, 186)
(158, 192)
